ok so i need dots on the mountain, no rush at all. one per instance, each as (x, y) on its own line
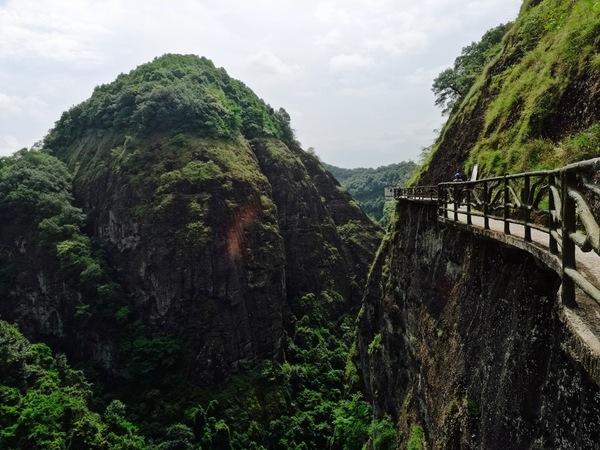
(464, 340)
(176, 243)
(536, 104)
(367, 185)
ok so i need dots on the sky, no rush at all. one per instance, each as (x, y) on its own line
(355, 75)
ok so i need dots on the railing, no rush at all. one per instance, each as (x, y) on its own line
(418, 193)
(561, 203)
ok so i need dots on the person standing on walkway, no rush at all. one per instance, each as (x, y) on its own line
(458, 176)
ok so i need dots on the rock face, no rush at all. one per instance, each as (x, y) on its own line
(211, 221)
(463, 336)
(220, 259)
(49, 280)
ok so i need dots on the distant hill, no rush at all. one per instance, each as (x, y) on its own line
(366, 185)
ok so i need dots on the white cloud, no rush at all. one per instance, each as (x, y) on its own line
(349, 62)
(422, 76)
(14, 106)
(398, 42)
(332, 37)
(9, 144)
(265, 62)
(354, 68)
(61, 30)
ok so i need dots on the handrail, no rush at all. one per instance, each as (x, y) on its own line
(556, 202)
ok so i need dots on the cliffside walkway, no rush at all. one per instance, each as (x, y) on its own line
(551, 214)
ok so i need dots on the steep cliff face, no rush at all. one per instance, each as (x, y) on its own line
(463, 337)
(536, 104)
(209, 219)
(51, 282)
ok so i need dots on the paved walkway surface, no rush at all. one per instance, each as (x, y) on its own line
(588, 263)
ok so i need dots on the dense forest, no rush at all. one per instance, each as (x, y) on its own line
(367, 185)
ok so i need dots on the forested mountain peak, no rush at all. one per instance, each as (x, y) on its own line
(173, 240)
(173, 93)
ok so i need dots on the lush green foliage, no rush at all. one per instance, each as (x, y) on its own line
(451, 86)
(537, 97)
(171, 94)
(367, 185)
(35, 187)
(304, 402)
(172, 129)
(558, 41)
(46, 404)
(415, 440)
(35, 197)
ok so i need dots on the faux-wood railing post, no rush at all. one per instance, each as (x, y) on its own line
(468, 199)
(506, 222)
(439, 200)
(552, 244)
(486, 219)
(526, 204)
(568, 246)
(456, 203)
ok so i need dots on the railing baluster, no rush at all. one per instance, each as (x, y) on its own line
(486, 219)
(468, 199)
(568, 246)
(526, 203)
(456, 203)
(506, 206)
(552, 244)
(439, 199)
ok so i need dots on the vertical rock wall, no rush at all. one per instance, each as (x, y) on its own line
(462, 335)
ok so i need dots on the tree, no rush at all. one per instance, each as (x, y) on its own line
(454, 83)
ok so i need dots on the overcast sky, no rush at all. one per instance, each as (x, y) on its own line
(355, 75)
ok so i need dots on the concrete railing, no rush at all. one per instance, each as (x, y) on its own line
(562, 203)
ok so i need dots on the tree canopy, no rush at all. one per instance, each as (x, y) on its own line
(172, 94)
(44, 403)
(454, 83)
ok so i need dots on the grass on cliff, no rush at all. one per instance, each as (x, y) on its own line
(549, 59)
(559, 42)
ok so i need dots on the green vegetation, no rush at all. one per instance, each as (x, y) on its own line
(172, 94)
(537, 95)
(451, 86)
(558, 44)
(46, 404)
(303, 402)
(36, 201)
(168, 145)
(375, 344)
(415, 441)
(367, 185)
